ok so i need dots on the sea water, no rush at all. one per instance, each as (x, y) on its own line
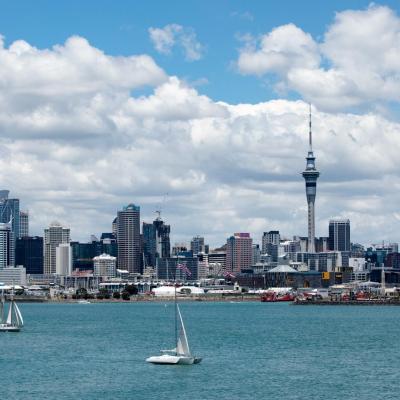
(250, 350)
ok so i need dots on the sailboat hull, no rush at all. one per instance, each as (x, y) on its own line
(166, 359)
(9, 328)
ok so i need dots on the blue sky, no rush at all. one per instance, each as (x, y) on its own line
(106, 103)
(121, 28)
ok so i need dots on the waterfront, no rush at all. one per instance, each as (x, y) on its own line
(250, 350)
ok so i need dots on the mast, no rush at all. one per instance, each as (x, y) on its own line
(176, 315)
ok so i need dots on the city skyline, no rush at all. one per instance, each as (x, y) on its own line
(137, 122)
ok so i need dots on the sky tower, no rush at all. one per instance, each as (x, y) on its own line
(310, 175)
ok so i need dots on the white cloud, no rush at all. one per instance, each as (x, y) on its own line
(77, 149)
(356, 64)
(164, 39)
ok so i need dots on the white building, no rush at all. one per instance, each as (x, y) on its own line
(64, 259)
(54, 235)
(105, 265)
(13, 275)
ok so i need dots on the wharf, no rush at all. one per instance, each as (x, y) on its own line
(348, 303)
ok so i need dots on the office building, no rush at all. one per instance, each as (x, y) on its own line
(339, 235)
(156, 242)
(54, 235)
(182, 268)
(197, 245)
(9, 212)
(23, 223)
(13, 276)
(64, 259)
(239, 252)
(128, 237)
(7, 243)
(310, 175)
(105, 266)
(271, 237)
(29, 253)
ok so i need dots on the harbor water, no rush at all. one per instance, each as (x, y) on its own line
(250, 350)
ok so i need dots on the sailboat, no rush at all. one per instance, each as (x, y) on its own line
(14, 321)
(181, 354)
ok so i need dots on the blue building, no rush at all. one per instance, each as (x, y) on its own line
(29, 253)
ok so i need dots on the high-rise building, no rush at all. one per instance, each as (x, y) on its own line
(217, 261)
(64, 259)
(339, 235)
(310, 175)
(105, 266)
(128, 237)
(29, 253)
(54, 235)
(156, 242)
(197, 245)
(9, 212)
(239, 252)
(271, 237)
(23, 223)
(7, 243)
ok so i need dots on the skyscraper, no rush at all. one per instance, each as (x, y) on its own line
(239, 252)
(7, 249)
(128, 237)
(54, 235)
(9, 212)
(29, 253)
(23, 223)
(156, 242)
(339, 235)
(310, 175)
(64, 259)
(197, 245)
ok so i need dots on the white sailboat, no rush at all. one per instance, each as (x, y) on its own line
(14, 321)
(181, 354)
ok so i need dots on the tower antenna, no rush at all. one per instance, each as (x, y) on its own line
(310, 131)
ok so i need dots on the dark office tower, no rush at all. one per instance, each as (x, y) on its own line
(156, 242)
(9, 211)
(128, 236)
(197, 245)
(310, 175)
(339, 235)
(29, 253)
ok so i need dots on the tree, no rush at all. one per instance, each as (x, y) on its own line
(116, 295)
(131, 289)
(125, 295)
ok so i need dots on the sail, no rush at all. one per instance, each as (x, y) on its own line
(182, 347)
(20, 321)
(9, 317)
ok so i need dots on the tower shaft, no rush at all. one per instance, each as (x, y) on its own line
(310, 175)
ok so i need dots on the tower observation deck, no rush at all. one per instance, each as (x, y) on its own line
(310, 175)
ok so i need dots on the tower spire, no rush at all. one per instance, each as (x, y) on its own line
(310, 130)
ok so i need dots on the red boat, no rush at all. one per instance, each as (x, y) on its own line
(272, 296)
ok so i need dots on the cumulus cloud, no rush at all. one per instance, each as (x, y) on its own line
(164, 39)
(79, 144)
(356, 63)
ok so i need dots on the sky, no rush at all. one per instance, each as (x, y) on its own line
(200, 109)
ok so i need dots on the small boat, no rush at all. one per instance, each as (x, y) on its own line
(14, 321)
(83, 302)
(181, 354)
